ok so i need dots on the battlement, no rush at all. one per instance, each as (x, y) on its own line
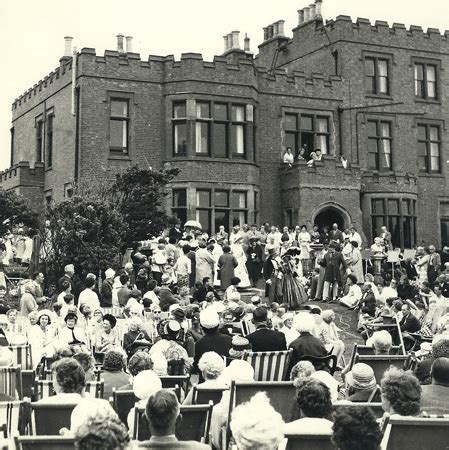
(362, 28)
(21, 174)
(55, 79)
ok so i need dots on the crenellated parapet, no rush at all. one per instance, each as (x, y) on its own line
(383, 182)
(21, 174)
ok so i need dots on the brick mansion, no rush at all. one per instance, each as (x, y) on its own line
(374, 98)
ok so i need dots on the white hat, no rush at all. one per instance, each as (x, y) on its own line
(110, 273)
(287, 316)
(193, 244)
(327, 379)
(256, 299)
(209, 318)
(145, 384)
(160, 364)
(87, 408)
(238, 370)
(219, 307)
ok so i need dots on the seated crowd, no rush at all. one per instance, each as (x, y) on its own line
(138, 330)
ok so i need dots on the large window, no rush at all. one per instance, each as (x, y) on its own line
(49, 141)
(379, 145)
(238, 130)
(221, 207)
(220, 131)
(376, 76)
(429, 146)
(399, 216)
(39, 140)
(444, 223)
(202, 127)
(307, 132)
(179, 207)
(119, 125)
(179, 129)
(426, 81)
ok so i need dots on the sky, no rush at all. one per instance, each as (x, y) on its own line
(33, 31)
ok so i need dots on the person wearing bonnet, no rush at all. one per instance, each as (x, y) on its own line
(212, 340)
(239, 345)
(361, 384)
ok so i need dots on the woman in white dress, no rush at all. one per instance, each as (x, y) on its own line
(240, 271)
(42, 337)
(217, 251)
(304, 240)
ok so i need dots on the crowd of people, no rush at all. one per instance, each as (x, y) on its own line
(189, 303)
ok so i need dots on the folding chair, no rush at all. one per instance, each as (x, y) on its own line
(380, 363)
(247, 327)
(116, 311)
(95, 388)
(375, 408)
(269, 366)
(123, 402)
(44, 443)
(320, 441)
(45, 389)
(417, 433)
(10, 415)
(179, 381)
(48, 419)
(369, 350)
(202, 395)
(11, 381)
(328, 362)
(22, 356)
(28, 379)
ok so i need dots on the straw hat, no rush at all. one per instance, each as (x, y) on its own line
(361, 377)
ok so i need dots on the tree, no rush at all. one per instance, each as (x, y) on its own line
(84, 232)
(140, 193)
(15, 210)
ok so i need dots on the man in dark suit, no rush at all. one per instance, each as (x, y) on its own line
(264, 339)
(440, 349)
(335, 234)
(306, 344)
(332, 261)
(368, 301)
(162, 413)
(69, 271)
(408, 324)
(434, 396)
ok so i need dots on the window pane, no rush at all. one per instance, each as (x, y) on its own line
(369, 67)
(322, 124)
(430, 73)
(394, 228)
(383, 85)
(202, 110)
(221, 218)
(434, 149)
(179, 110)
(385, 129)
(419, 72)
(221, 198)
(118, 133)
(238, 113)
(406, 207)
(393, 207)
(444, 232)
(444, 210)
(433, 132)
(422, 163)
(202, 138)
(220, 144)
(238, 139)
(372, 145)
(383, 67)
(431, 90)
(220, 111)
(435, 163)
(408, 232)
(290, 141)
(306, 123)
(204, 218)
(256, 200)
(372, 161)
(238, 200)
(181, 214)
(419, 88)
(422, 132)
(322, 143)
(422, 149)
(377, 223)
(179, 197)
(202, 198)
(371, 128)
(119, 108)
(377, 206)
(180, 141)
(291, 122)
(239, 218)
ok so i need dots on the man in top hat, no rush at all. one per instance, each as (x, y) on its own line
(273, 276)
(332, 261)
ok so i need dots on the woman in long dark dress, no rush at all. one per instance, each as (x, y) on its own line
(294, 293)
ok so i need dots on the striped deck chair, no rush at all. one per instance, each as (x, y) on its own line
(45, 388)
(22, 356)
(95, 388)
(269, 366)
(11, 381)
(116, 311)
(247, 327)
(10, 413)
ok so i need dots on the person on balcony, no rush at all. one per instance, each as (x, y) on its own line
(288, 156)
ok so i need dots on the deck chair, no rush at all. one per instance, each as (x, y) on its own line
(28, 380)
(179, 381)
(368, 350)
(202, 396)
(247, 327)
(22, 356)
(123, 402)
(48, 419)
(309, 441)
(193, 426)
(417, 433)
(45, 389)
(329, 362)
(11, 381)
(10, 415)
(116, 311)
(280, 393)
(44, 443)
(269, 366)
(380, 363)
(375, 408)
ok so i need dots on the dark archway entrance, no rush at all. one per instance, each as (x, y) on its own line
(329, 216)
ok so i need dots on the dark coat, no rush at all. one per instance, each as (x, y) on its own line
(265, 340)
(336, 235)
(410, 324)
(332, 263)
(368, 303)
(306, 345)
(166, 298)
(106, 293)
(214, 342)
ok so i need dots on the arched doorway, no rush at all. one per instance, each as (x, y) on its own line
(328, 216)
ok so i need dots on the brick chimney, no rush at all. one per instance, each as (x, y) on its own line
(120, 43)
(246, 46)
(129, 44)
(318, 9)
(67, 49)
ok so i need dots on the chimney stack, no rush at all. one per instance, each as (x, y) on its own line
(306, 14)
(265, 34)
(229, 41)
(312, 11)
(225, 43)
(246, 44)
(270, 31)
(129, 44)
(68, 46)
(235, 39)
(275, 29)
(281, 27)
(300, 16)
(120, 43)
(318, 9)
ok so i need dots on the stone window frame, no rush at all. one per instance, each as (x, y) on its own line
(379, 120)
(179, 121)
(428, 141)
(180, 208)
(368, 54)
(438, 69)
